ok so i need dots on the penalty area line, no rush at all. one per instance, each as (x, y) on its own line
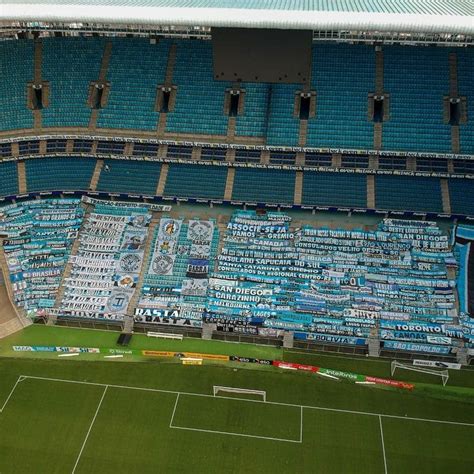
(90, 428)
(18, 380)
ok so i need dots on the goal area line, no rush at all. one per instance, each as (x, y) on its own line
(232, 433)
(23, 378)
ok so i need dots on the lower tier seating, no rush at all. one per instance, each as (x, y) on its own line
(8, 178)
(264, 185)
(334, 189)
(60, 173)
(196, 181)
(461, 192)
(408, 193)
(129, 176)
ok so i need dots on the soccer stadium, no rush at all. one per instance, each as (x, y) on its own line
(237, 237)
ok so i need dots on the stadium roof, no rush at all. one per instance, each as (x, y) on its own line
(427, 16)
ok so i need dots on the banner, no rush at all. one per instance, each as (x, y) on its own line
(408, 346)
(162, 264)
(129, 262)
(436, 364)
(90, 350)
(194, 287)
(200, 230)
(134, 240)
(169, 229)
(196, 355)
(250, 360)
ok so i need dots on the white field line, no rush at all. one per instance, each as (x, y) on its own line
(383, 445)
(90, 428)
(174, 410)
(310, 407)
(237, 434)
(19, 379)
(301, 425)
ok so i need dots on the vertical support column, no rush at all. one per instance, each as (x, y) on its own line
(22, 187)
(69, 145)
(229, 184)
(445, 197)
(336, 160)
(371, 191)
(265, 157)
(43, 147)
(161, 126)
(96, 175)
(196, 153)
(411, 163)
(298, 188)
(104, 66)
(160, 189)
(38, 57)
(230, 155)
(128, 149)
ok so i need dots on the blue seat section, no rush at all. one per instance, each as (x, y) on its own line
(417, 79)
(59, 173)
(196, 181)
(264, 185)
(466, 88)
(131, 101)
(342, 76)
(8, 178)
(408, 193)
(70, 64)
(283, 127)
(253, 122)
(334, 189)
(461, 192)
(16, 70)
(37, 260)
(131, 176)
(199, 104)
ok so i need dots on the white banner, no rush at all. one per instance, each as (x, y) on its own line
(200, 230)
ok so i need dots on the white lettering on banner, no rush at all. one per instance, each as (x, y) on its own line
(436, 363)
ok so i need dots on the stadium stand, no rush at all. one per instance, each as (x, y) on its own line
(65, 173)
(342, 76)
(37, 259)
(465, 68)
(16, 70)
(129, 176)
(69, 65)
(416, 99)
(406, 192)
(334, 189)
(8, 178)
(460, 192)
(199, 107)
(131, 101)
(253, 121)
(196, 181)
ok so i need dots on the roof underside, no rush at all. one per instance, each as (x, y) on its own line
(433, 16)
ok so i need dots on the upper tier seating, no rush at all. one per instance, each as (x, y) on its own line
(70, 64)
(417, 79)
(253, 121)
(342, 76)
(129, 176)
(264, 185)
(199, 104)
(59, 173)
(283, 127)
(334, 189)
(196, 181)
(465, 87)
(16, 70)
(408, 193)
(8, 178)
(131, 101)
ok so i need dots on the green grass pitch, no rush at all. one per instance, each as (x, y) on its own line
(162, 417)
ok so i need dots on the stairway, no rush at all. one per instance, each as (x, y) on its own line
(229, 184)
(231, 124)
(455, 143)
(371, 191)
(298, 188)
(38, 57)
(128, 320)
(161, 127)
(104, 66)
(445, 197)
(453, 75)
(96, 175)
(303, 132)
(378, 127)
(22, 187)
(160, 189)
